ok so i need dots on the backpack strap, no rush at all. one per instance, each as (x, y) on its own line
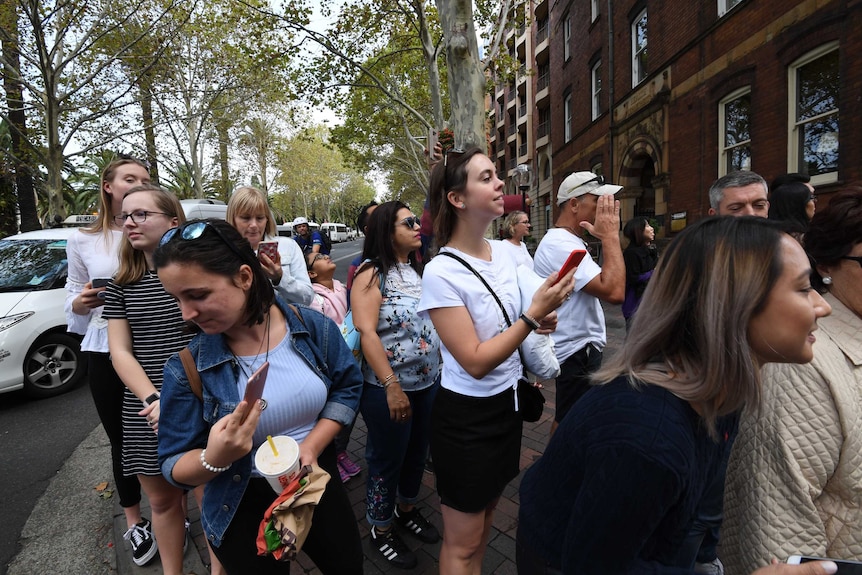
(192, 372)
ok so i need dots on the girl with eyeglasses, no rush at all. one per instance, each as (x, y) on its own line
(401, 372)
(92, 253)
(311, 392)
(144, 329)
(475, 426)
(330, 295)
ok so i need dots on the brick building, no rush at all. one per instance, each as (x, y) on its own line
(664, 97)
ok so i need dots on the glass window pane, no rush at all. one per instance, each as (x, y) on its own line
(818, 146)
(739, 158)
(817, 87)
(737, 114)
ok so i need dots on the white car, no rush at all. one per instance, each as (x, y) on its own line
(36, 353)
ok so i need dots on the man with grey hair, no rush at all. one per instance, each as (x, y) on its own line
(739, 193)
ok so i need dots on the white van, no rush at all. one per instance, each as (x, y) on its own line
(204, 208)
(337, 232)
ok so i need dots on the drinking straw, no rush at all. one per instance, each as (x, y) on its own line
(272, 445)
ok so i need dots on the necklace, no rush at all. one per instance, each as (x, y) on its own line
(250, 366)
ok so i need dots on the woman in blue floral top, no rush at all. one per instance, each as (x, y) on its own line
(401, 371)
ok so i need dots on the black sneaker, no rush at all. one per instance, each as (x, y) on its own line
(144, 547)
(392, 548)
(417, 525)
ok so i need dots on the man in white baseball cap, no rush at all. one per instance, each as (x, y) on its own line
(586, 203)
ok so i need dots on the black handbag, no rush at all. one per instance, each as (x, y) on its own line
(531, 401)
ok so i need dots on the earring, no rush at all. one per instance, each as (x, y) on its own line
(463, 205)
(827, 280)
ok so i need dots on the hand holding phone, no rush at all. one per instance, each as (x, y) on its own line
(571, 262)
(269, 249)
(97, 283)
(254, 387)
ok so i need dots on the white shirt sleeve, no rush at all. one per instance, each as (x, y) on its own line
(295, 285)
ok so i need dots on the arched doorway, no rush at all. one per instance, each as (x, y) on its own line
(644, 186)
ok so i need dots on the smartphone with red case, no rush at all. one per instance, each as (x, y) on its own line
(571, 262)
(269, 249)
(254, 387)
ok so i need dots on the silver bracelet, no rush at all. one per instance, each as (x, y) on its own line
(211, 468)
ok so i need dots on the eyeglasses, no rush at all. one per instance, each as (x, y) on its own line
(857, 259)
(138, 216)
(812, 198)
(316, 258)
(194, 230)
(457, 152)
(411, 222)
(525, 222)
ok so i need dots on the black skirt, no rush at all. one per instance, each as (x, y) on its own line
(475, 446)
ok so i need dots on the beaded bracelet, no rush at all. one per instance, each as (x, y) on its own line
(211, 468)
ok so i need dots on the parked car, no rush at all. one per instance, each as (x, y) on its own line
(204, 208)
(337, 232)
(36, 353)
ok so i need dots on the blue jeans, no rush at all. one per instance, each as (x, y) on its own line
(395, 452)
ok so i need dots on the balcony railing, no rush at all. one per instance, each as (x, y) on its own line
(511, 129)
(543, 129)
(522, 149)
(513, 93)
(542, 29)
(544, 79)
(522, 110)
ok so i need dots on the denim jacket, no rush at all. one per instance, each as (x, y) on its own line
(185, 421)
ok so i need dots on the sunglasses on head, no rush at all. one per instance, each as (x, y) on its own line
(456, 152)
(194, 230)
(410, 222)
(143, 162)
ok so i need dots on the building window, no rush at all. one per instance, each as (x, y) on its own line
(725, 6)
(596, 85)
(814, 82)
(567, 37)
(639, 48)
(594, 10)
(734, 124)
(567, 114)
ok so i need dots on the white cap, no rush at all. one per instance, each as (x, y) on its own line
(582, 183)
(299, 220)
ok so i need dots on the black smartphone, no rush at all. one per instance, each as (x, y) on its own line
(845, 566)
(100, 282)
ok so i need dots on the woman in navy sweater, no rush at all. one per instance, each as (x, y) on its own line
(617, 487)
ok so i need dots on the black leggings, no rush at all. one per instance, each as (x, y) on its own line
(333, 542)
(107, 389)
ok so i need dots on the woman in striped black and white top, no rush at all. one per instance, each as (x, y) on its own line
(145, 327)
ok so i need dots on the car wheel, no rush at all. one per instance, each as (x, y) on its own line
(54, 365)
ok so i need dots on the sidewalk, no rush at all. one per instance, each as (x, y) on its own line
(500, 556)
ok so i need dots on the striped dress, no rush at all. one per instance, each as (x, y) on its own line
(158, 331)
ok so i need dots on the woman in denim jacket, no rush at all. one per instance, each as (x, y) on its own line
(312, 391)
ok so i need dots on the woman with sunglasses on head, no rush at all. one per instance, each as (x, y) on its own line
(401, 368)
(618, 485)
(249, 213)
(516, 226)
(794, 480)
(92, 254)
(312, 390)
(144, 329)
(475, 428)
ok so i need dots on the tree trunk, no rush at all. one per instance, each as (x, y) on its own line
(17, 124)
(466, 80)
(430, 53)
(224, 169)
(146, 88)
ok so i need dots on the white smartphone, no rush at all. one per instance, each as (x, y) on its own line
(845, 566)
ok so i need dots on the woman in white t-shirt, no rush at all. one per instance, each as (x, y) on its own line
(475, 430)
(515, 227)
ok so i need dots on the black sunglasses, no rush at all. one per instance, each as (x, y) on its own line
(457, 152)
(600, 180)
(411, 222)
(194, 230)
(857, 259)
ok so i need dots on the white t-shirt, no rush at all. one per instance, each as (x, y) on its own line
(519, 253)
(580, 320)
(447, 283)
(295, 286)
(90, 256)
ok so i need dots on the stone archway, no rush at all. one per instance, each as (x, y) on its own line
(644, 184)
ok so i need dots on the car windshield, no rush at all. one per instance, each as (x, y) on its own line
(27, 265)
